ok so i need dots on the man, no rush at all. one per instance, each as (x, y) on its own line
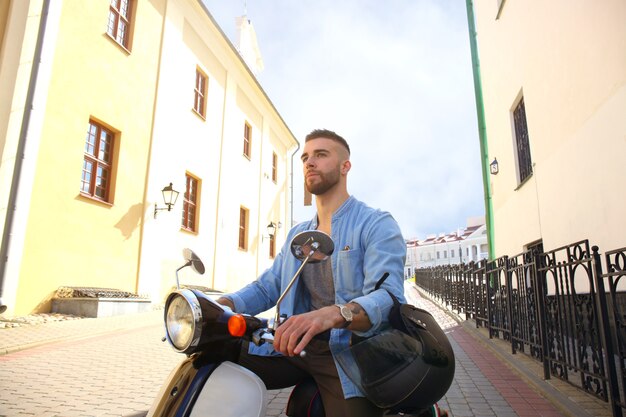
(334, 298)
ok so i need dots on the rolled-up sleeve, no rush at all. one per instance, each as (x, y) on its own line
(384, 252)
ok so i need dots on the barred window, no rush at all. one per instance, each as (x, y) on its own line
(524, 162)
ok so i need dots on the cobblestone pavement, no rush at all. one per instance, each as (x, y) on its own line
(114, 367)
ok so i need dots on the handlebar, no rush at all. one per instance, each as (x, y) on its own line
(266, 336)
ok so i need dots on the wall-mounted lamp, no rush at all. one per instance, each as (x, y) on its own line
(271, 230)
(493, 167)
(170, 196)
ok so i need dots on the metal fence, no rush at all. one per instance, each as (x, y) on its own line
(565, 307)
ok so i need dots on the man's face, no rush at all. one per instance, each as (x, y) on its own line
(323, 160)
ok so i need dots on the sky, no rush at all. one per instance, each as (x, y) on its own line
(394, 78)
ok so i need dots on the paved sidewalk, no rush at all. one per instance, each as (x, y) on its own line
(28, 336)
(489, 381)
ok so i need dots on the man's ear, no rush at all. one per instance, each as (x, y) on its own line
(345, 167)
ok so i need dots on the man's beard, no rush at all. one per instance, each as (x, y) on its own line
(325, 183)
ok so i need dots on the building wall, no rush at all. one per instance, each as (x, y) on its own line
(212, 150)
(70, 239)
(571, 71)
(145, 95)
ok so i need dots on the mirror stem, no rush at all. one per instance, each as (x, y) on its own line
(314, 247)
(177, 283)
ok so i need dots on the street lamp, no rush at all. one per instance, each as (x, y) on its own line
(271, 230)
(493, 167)
(170, 195)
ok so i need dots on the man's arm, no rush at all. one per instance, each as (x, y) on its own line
(294, 334)
(385, 253)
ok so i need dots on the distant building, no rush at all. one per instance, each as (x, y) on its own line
(463, 246)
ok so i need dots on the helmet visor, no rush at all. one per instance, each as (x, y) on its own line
(387, 367)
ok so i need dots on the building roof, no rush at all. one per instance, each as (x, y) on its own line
(457, 236)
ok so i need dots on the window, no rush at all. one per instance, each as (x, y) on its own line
(247, 139)
(272, 246)
(97, 163)
(243, 228)
(118, 26)
(190, 204)
(200, 93)
(524, 163)
(274, 167)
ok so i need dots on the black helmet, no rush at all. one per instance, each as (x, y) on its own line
(405, 371)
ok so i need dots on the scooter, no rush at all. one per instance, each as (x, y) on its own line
(208, 383)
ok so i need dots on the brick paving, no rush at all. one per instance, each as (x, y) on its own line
(114, 367)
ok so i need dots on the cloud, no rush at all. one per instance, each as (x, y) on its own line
(394, 78)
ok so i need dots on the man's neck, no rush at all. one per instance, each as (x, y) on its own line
(326, 205)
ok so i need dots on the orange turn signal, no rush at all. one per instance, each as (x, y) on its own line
(237, 325)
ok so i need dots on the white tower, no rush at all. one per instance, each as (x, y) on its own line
(247, 44)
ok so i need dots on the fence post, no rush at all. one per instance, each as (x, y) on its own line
(509, 290)
(541, 289)
(488, 282)
(606, 333)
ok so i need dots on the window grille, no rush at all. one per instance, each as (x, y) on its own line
(521, 139)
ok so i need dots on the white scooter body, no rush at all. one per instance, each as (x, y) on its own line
(230, 391)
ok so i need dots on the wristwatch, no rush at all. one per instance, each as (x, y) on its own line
(346, 313)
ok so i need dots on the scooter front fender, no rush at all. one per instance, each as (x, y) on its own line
(169, 400)
(212, 390)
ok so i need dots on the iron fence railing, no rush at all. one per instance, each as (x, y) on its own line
(565, 308)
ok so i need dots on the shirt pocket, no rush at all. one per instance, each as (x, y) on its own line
(349, 279)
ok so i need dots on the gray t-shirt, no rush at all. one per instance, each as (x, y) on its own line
(318, 279)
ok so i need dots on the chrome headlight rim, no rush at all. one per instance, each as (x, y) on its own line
(196, 320)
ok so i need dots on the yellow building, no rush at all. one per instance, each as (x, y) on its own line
(109, 102)
(554, 88)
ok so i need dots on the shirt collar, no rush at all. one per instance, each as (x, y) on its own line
(343, 208)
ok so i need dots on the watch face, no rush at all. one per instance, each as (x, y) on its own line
(346, 313)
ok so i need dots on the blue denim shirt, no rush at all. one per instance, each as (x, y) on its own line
(368, 243)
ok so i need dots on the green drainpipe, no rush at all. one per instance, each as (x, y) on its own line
(482, 131)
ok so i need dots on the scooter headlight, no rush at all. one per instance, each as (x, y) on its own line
(183, 321)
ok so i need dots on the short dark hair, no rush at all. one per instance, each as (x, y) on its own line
(328, 134)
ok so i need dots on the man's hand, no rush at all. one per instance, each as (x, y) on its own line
(296, 332)
(226, 302)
